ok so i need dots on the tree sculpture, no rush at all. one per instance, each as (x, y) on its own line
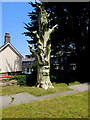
(42, 54)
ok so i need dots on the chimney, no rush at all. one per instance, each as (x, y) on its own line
(7, 38)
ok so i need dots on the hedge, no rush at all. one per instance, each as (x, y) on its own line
(21, 79)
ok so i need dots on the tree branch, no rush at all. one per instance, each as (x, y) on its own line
(33, 52)
(53, 29)
(35, 32)
(37, 57)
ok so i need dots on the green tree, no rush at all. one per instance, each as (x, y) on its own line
(73, 20)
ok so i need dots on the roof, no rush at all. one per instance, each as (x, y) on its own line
(12, 47)
(28, 59)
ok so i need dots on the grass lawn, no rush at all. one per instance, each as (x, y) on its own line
(60, 87)
(67, 106)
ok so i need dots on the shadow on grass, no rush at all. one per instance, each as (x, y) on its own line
(68, 77)
(58, 77)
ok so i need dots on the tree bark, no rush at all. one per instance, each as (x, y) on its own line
(43, 77)
(43, 49)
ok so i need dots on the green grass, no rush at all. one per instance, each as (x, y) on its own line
(74, 83)
(67, 106)
(0, 114)
(8, 90)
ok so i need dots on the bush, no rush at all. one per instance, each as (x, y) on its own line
(27, 79)
(53, 78)
(31, 79)
(21, 79)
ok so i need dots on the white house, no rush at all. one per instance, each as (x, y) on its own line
(10, 58)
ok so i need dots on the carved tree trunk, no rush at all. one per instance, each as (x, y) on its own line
(43, 77)
(44, 48)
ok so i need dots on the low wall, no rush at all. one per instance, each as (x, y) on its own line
(3, 74)
(7, 82)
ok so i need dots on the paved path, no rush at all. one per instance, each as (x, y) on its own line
(80, 87)
(25, 97)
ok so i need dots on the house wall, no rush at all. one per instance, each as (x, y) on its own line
(10, 61)
(0, 62)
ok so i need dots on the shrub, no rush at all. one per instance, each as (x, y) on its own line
(31, 79)
(28, 79)
(53, 78)
(21, 79)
